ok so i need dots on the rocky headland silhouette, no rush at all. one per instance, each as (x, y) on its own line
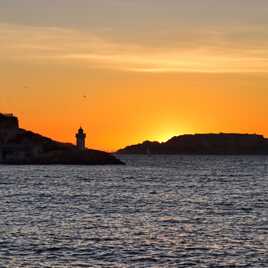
(222, 144)
(19, 146)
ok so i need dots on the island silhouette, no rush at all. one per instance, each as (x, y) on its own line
(222, 144)
(19, 146)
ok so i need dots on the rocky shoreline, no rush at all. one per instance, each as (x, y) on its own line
(22, 147)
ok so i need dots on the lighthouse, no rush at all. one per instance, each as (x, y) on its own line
(80, 139)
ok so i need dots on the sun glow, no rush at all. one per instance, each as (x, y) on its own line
(166, 135)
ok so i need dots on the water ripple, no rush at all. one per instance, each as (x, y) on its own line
(159, 211)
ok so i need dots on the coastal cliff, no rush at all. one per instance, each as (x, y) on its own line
(19, 146)
(222, 144)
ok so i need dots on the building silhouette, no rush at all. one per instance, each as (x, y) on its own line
(22, 147)
(81, 139)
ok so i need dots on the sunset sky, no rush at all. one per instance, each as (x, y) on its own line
(132, 70)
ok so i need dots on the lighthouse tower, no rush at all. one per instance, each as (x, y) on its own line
(80, 139)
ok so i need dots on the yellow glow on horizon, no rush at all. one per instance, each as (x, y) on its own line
(168, 133)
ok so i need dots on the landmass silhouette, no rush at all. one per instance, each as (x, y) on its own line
(222, 144)
(19, 146)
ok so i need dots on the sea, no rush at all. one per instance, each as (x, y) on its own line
(157, 211)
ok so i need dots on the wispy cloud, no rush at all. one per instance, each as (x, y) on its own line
(212, 50)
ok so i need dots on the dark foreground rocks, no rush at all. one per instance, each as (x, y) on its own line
(20, 147)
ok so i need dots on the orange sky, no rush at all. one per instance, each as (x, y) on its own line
(122, 108)
(140, 81)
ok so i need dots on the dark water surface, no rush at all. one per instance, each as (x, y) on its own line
(159, 211)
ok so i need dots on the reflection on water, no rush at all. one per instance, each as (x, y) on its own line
(159, 211)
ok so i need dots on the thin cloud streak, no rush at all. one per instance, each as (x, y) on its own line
(208, 51)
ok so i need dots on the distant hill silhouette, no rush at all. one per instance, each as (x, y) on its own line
(222, 144)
